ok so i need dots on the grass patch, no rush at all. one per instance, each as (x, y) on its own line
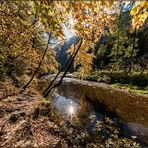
(133, 82)
(44, 101)
(132, 88)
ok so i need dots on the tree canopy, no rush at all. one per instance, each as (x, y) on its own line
(25, 23)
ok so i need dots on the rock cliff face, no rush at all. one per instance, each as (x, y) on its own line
(61, 51)
(129, 106)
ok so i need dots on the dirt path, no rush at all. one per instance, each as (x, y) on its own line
(18, 125)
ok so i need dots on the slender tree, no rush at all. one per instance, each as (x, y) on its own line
(67, 67)
(50, 34)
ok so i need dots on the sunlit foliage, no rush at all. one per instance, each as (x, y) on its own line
(22, 21)
(139, 14)
(22, 39)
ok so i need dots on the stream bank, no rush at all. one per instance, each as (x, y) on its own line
(127, 109)
(29, 120)
(126, 105)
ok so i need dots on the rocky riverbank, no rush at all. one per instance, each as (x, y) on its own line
(129, 106)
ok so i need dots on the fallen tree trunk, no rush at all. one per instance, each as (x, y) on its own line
(66, 67)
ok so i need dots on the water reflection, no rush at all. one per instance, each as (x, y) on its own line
(71, 109)
(81, 113)
(66, 107)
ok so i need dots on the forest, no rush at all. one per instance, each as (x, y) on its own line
(74, 73)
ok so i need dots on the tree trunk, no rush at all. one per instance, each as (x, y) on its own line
(67, 67)
(143, 69)
(133, 48)
(39, 63)
(58, 74)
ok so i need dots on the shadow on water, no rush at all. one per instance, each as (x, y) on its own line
(101, 108)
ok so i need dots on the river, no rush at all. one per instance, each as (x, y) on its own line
(84, 103)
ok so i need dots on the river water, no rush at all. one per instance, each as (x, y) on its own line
(80, 111)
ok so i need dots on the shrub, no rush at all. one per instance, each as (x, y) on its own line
(3, 72)
(140, 80)
(119, 77)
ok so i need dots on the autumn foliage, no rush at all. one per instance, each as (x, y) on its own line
(24, 24)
